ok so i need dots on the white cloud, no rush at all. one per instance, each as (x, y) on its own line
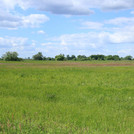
(8, 4)
(122, 37)
(78, 7)
(73, 43)
(47, 44)
(93, 39)
(10, 21)
(34, 20)
(80, 43)
(22, 45)
(122, 29)
(119, 24)
(91, 25)
(58, 7)
(125, 51)
(132, 12)
(12, 41)
(121, 21)
(91, 43)
(41, 32)
(117, 4)
(70, 7)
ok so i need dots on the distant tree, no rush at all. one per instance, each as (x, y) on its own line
(38, 56)
(44, 58)
(81, 57)
(97, 57)
(11, 56)
(121, 58)
(73, 57)
(50, 58)
(68, 57)
(60, 57)
(116, 57)
(109, 57)
(89, 58)
(100, 57)
(93, 57)
(129, 57)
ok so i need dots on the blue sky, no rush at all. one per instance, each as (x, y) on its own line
(68, 27)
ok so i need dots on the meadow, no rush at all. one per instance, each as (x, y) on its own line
(40, 97)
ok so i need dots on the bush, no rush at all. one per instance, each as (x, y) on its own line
(129, 57)
(11, 56)
(38, 56)
(60, 57)
(81, 58)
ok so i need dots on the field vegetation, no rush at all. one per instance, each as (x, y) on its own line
(90, 97)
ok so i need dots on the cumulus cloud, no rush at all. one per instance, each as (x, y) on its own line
(80, 43)
(58, 7)
(12, 41)
(70, 7)
(116, 24)
(9, 4)
(132, 12)
(92, 39)
(41, 32)
(34, 20)
(122, 28)
(91, 25)
(77, 7)
(117, 4)
(83, 43)
(121, 21)
(22, 45)
(91, 43)
(126, 51)
(10, 21)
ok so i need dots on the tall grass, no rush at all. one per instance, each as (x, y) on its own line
(66, 100)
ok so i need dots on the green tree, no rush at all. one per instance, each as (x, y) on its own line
(50, 58)
(73, 57)
(81, 57)
(116, 57)
(93, 57)
(129, 57)
(68, 57)
(38, 56)
(97, 57)
(11, 56)
(60, 57)
(109, 57)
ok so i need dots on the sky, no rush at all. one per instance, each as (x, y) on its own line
(74, 27)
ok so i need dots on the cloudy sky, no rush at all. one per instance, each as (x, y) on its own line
(68, 27)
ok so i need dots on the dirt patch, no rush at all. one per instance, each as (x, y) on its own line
(93, 64)
(67, 64)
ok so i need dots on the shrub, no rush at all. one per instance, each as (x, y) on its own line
(38, 56)
(60, 57)
(11, 56)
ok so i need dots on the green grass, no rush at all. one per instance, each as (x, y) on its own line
(42, 97)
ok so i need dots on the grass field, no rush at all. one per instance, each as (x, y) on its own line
(66, 97)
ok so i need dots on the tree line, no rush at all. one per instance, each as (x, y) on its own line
(13, 56)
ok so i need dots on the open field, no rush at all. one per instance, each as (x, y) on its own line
(67, 97)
